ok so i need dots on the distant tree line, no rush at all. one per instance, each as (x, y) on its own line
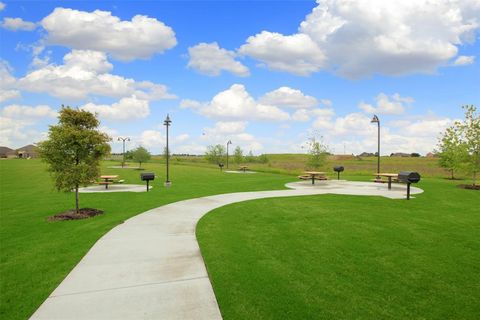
(217, 154)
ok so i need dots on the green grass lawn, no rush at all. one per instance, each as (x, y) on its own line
(347, 257)
(36, 255)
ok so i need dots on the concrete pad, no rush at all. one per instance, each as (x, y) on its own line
(150, 267)
(125, 167)
(120, 187)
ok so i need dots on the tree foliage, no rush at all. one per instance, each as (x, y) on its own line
(470, 134)
(238, 155)
(452, 151)
(318, 153)
(141, 155)
(74, 149)
(459, 146)
(250, 158)
(215, 154)
(263, 158)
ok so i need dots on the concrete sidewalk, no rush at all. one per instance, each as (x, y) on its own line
(150, 267)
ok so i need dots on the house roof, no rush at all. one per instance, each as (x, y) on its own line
(6, 150)
(28, 148)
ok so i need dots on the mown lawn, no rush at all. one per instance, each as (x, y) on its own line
(35, 255)
(347, 257)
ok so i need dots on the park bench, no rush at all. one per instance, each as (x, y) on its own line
(243, 168)
(105, 183)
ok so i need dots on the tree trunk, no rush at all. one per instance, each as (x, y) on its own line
(77, 210)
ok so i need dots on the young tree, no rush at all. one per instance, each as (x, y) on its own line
(74, 149)
(215, 154)
(238, 155)
(452, 151)
(470, 134)
(141, 155)
(318, 153)
(129, 155)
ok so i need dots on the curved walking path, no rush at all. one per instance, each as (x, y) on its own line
(150, 267)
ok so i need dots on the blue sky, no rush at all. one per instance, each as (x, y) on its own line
(265, 74)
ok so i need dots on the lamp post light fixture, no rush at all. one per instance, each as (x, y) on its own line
(123, 140)
(228, 143)
(377, 121)
(166, 123)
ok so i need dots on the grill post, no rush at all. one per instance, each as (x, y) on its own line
(147, 176)
(338, 169)
(408, 191)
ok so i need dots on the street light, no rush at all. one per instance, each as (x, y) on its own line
(229, 142)
(377, 121)
(123, 139)
(166, 123)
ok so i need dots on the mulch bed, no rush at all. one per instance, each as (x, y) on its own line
(469, 186)
(83, 213)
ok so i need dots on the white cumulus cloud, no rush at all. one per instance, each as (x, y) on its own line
(285, 96)
(394, 104)
(23, 112)
(99, 30)
(125, 109)
(7, 83)
(236, 103)
(360, 38)
(152, 138)
(210, 59)
(16, 24)
(86, 73)
(464, 60)
(296, 54)
(233, 131)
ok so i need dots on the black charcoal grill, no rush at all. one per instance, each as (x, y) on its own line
(408, 177)
(338, 169)
(147, 176)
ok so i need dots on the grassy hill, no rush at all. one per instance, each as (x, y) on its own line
(294, 164)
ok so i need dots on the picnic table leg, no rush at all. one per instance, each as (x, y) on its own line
(389, 183)
(313, 179)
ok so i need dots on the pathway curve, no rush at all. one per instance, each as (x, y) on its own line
(150, 267)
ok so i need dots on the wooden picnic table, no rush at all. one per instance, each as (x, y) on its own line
(390, 176)
(314, 174)
(243, 168)
(108, 180)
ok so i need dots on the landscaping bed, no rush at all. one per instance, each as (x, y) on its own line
(83, 213)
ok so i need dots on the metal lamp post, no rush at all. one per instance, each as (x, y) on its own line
(166, 123)
(377, 121)
(228, 143)
(123, 139)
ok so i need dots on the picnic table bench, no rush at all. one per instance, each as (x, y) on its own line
(391, 177)
(242, 168)
(313, 175)
(107, 180)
